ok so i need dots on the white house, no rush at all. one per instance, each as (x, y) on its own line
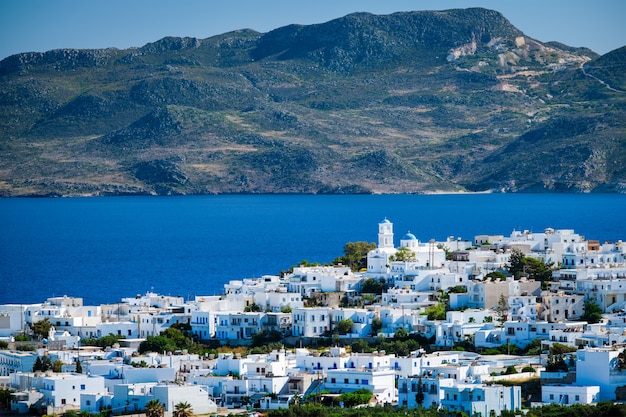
(599, 367)
(61, 391)
(380, 382)
(481, 398)
(12, 320)
(313, 361)
(432, 388)
(170, 394)
(16, 361)
(566, 394)
(311, 322)
(360, 317)
(235, 325)
(134, 397)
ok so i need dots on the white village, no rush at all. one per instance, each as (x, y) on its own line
(472, 318)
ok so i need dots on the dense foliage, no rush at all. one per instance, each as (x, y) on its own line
(373, 286)
(524, 266)
(355, 255)
(603, 409)
(103, 342)
(41, 328)
(42, 364)
(592, 312)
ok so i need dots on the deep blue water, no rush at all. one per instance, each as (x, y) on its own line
(103, 249)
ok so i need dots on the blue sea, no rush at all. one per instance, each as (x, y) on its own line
(107, 248)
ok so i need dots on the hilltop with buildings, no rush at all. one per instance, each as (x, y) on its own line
(434, 324)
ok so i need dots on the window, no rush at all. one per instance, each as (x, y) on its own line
(82, 387)
(577, 397)
(552, 396)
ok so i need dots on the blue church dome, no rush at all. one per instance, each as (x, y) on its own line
(409, 236)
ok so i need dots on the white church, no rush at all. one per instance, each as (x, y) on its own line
(382, 259)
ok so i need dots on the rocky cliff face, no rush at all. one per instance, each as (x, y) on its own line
(457, 100)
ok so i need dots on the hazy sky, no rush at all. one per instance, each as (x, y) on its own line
(41, 25)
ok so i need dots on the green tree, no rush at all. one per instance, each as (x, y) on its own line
(419, 396)
(377, 326)
(79, 366)
(46, 363)
(57, 366)
(593, 312)
(355, 255)
(400, 334)
(358, 397)
(252, 308)
(457, 289)
(510, 370)
(372, 286)
(344, 326)
(5, 397)
(556, 357)
(516, 262)
(183, 409)
(41, 328)
(436, 312)
(157, 344)
(520, 265)
(38, 365)
(181, 339)
(154, 408)
(493, 275)
(103, 342)
(265, 338)
(403, 254)
(360, 346)
(502, 309)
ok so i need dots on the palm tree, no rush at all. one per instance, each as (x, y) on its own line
(154, 409)
(183, 409)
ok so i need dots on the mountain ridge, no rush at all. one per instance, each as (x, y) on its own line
(412, 102)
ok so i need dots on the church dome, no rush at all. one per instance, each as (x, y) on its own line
(409, 236)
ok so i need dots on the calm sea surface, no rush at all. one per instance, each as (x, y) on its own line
(103, 249)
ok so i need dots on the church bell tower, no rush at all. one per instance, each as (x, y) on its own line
(385, 234)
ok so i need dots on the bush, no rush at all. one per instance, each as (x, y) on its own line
(25, 348)
(510, 370)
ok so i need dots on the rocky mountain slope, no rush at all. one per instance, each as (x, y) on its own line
(458, 100)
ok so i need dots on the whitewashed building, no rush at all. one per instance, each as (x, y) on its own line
(565, 394)
(311, 322)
